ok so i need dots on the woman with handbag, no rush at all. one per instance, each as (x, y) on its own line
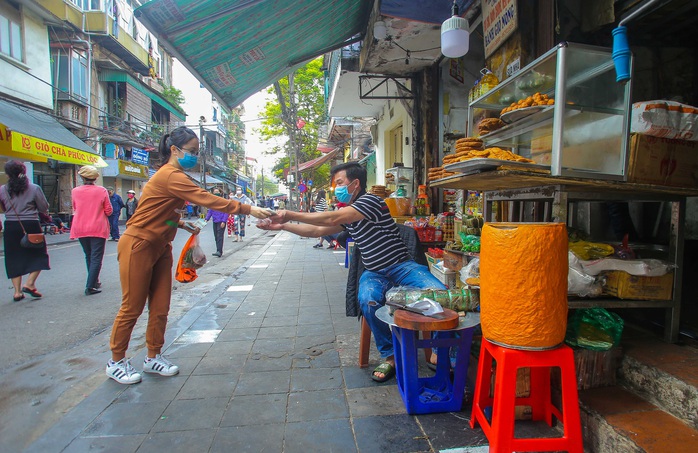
(25, 248)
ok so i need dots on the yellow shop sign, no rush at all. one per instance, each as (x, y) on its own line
(134, 170)
(44, 148)
(6, 147)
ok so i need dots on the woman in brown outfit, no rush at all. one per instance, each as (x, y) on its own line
(145, 253)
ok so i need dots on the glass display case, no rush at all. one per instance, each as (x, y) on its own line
(576, 119)
(400, 179)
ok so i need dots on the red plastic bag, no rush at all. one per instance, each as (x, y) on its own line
(191, 258)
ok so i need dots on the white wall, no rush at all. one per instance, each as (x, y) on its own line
(386, 123)
(15, 81)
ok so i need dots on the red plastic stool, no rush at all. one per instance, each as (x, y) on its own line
(500, 431)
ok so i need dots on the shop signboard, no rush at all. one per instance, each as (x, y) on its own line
(139, 156)
(44, 148)
(133, 170)
(6, 147)
(499, 20)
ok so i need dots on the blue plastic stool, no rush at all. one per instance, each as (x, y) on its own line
(438, 393)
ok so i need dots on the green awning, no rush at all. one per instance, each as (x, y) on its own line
(120, 76)
(239, 47)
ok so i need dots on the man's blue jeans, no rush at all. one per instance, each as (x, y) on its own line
(372, 288)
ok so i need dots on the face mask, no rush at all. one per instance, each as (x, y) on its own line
(188, 161)
(130, 195)
(342, 194)
(238, 194)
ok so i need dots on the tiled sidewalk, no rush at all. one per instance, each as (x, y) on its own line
(268, 362)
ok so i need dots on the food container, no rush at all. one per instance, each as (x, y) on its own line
(399, 206)
(523, 284)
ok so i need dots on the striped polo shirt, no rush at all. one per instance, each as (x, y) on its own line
(376, 235)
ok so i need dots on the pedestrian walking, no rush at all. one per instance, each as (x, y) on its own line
(131, 204)
(117, 204)
(240, 218)
(220, 219)
(320, 205)
(231, 218)
(23, 202)
(145, 253)
(91, 210)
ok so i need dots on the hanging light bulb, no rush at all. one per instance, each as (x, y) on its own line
(455, 38)
(380, 31)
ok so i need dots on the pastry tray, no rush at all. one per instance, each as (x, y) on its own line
(519, 114)
(480, 164)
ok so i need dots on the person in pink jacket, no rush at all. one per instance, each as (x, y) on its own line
(90, 225)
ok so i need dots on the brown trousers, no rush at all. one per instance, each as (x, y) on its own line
(146, 274)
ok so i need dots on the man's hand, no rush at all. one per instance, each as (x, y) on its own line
(260, 213)
(279, 217)
(268, 226)
(222, 224)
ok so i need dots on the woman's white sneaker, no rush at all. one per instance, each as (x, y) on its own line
(160, 365)
(122, 372)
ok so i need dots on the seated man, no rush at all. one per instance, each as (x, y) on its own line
(384, 255)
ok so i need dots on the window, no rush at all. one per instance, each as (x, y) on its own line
(11, 34)
(70, 74)
(88, 5)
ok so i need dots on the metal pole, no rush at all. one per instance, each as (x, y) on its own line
(202, 151)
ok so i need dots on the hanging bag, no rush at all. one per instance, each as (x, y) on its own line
(29, 240)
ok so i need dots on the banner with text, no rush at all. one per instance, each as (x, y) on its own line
(499, 20)
(6, 147)
(44, 148)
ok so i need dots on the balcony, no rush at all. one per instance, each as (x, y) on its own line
(132, 132)
(101, 26)
(343, 85)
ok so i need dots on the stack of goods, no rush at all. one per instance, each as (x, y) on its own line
(435, 173)
(531, 101)
(455, 299)
(389, 178)
(488, 125)
(379, 191)
(464, 146)
(489, 153)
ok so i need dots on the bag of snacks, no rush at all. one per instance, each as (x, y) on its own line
(191, 258)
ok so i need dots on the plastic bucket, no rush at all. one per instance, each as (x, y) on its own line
(621, 54)
(523, 284)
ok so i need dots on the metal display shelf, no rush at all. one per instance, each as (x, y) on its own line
(556, 197)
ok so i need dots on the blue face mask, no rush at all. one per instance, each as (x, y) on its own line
(342, 194)
(188, 161)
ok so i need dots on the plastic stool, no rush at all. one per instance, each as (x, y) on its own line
(438, 393)
(500, 432)
(365, 344)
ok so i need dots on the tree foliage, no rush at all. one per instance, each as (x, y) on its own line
(310, 107)
(270, 186)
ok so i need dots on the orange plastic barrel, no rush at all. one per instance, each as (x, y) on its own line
(523, 284)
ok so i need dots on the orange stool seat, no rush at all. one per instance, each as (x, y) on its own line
(496, 414)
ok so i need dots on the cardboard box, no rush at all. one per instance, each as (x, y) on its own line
(625, 286)
(454, 260)
(662, 161)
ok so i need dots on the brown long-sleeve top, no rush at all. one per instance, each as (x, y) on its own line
(164, 197)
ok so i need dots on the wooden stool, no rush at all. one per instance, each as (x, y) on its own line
(500, 431)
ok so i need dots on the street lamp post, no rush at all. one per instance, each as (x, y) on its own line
(202, 150)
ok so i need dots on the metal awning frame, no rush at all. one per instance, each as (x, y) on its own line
(384, 81)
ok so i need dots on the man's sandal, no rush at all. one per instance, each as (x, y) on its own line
(388, 372)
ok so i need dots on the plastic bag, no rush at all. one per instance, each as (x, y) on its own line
(189, 257)
(590, 250)
(580, 283)
(470, 273)
(194, 256)
(594, 328)
(456, 299)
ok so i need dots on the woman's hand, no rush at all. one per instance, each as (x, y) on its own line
(188, 226)
(260, 213)
(222, 224)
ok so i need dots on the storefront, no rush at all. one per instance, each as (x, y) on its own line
(125, 175)
(50, 151)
